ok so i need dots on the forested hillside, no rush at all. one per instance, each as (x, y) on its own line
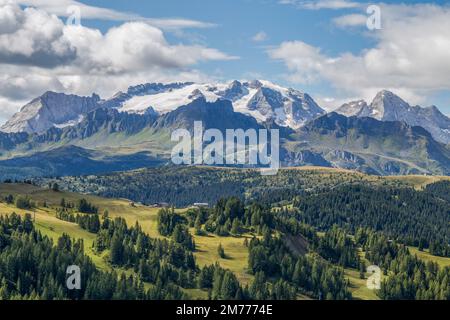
(183, 186)
(303, 234)
(417, 218)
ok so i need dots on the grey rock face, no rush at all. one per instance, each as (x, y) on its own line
(287, 107)
(260, 99)
(353, 108)
(235, 91)
(304, 157)
(386, 106)
(49, 110)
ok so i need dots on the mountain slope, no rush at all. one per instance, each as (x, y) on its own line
(72, 160)
(107, 130)
(353, 108)
(386, 106)
(369, 145)
(332, 140)
(262, 100)
(217, 115)
(49, 110)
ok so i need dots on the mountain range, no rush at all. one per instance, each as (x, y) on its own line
(262, 100)
(387, 106)
(59, 134)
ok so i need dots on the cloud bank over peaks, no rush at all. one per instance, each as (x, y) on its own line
(410, 56)
(37, 49)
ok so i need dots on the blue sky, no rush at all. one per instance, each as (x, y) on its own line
(236, 22)
(321, 47)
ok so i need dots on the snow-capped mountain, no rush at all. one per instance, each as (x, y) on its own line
(51, 110)
(386, 106)
(262, 100)
(107, 140)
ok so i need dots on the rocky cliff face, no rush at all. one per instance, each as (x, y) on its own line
(332, 140)
(262, 100)
(386, 106)
(49, 110)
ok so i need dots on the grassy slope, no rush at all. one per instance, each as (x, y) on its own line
(358, 286)
(426, 256)
(48, 224)
(235, 250)
(418, 182)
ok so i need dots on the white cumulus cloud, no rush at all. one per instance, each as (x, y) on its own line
(39, 52)
(33, 37)
(411, 56)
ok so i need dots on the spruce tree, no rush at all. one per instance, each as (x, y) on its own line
(221, 251)
(236, 227)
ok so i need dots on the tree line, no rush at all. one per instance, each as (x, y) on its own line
(412, 217)
(33, 267)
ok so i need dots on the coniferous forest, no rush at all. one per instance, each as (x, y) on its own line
(211, 159)
(296, 245)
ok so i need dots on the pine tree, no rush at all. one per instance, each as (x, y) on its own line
(362, 270)
(117, 250)
(236, 227)
(221, 251)
(4, 291)
(229, 287)
(198, 226)
(258, 289)
(9, 199)
(55, 187)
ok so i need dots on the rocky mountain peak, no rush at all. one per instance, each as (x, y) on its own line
(254, 84)
(196, 94)
(353, 108)
(387, 106)
(51, 109)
